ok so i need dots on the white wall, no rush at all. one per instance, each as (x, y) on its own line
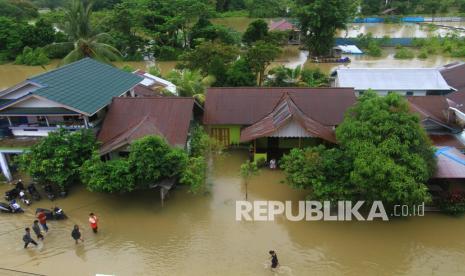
(21, 132)
(291, 129)
(35, 102)
(403, 93)
(20, 92)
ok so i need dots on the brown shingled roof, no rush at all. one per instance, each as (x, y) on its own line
(248, 105)
(285, 111)
(454, 74)
(132, 118)
(446, 140)
(435, 108)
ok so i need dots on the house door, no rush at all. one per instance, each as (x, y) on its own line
(221, 135)
(273, 148)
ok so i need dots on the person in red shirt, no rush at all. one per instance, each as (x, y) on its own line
(42, 220)
(93, 220)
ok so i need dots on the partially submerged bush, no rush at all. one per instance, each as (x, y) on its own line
(453, 203)
(404, 53)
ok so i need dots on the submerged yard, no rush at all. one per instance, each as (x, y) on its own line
(198, 235)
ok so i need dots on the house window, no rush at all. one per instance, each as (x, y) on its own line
(221, 135)
(409, 93)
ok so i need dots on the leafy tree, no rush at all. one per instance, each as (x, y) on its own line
(325, 171)
(240, 74)
(190, 83)
(195, 174)
(151, 159)
(202, 57)
(319, 21)
(85, 41)
(18, 9)
(32, 57)
(259, 57)
(248, 169)
(314, 77)
(204, 30)
(11, 38)
(257, 30)
(199, 141)
(384, 154)
(433, 6)
(110, 176)
(57, 158)
(40, 35)
(392, 155)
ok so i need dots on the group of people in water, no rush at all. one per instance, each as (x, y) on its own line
(40, 225)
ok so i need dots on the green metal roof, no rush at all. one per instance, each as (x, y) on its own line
(5, 101)
(37, 111)
(86, 85)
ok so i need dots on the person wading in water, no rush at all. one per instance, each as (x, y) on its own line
(27, 239)
(76, 234)
(274, 259)
(93, 220)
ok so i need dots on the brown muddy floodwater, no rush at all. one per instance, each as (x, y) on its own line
(198, 235)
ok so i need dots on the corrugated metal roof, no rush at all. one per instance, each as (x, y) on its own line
(450, 163)
(132, 118)
(248, 105)
(86, 85)
(392, 79)
(284, 112)
(282, 25)
(435, 108)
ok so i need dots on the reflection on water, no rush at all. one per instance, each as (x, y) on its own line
(198, 235)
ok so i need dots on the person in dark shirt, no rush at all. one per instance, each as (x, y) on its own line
(36, 229)
(274, 259)
(28, 239)
(76, 234)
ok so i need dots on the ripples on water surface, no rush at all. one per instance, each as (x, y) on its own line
(198, 235)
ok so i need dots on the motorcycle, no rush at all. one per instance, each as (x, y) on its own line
(12, 207)
(54, 214)
(33, 192)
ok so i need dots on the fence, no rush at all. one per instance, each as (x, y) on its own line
(403, 41)
(407, 19)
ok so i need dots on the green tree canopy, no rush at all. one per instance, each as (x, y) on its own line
(384, 154)
(259, 57)
(319, 21)
(257, 30)
(57, 158)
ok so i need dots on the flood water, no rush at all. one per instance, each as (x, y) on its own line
(198, 235)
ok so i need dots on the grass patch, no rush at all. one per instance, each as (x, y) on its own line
(404, 53)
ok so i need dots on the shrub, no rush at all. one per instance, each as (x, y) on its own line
(374, 50)
(423, 54)
(404, 53)
(32, 57)
(195, 174)
(453, 203)
(128, 68)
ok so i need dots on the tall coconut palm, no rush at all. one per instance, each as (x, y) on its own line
(85, 42)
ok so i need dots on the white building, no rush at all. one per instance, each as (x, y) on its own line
(405, 81)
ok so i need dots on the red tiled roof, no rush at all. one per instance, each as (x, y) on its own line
(450, 163)
(248, 105)
(285, 111)
(281, 25)
(132, 118)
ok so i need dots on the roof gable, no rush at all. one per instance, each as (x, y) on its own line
(286, 110)
(86, 85)
(132, 118)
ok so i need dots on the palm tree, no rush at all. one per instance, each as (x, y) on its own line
(190, 83)
(84, 41)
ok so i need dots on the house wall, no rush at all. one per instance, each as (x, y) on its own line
(402, 92)
(234, 132)
(35, 102)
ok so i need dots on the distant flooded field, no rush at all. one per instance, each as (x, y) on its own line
(198, 235)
